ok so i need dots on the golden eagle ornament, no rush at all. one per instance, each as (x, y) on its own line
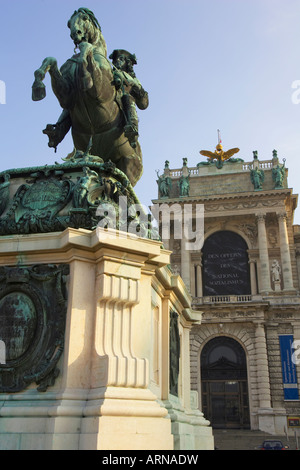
(219, 154)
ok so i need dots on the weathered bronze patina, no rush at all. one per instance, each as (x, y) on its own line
(174, 353)
(33, 307)
(97, 98)
(72, 194)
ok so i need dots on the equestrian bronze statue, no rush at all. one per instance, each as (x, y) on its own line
(97, 97)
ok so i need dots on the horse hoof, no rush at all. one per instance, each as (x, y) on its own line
(38, 91)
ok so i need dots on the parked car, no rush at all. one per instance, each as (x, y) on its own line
(273, 445)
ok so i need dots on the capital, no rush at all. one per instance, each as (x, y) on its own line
(281, 216)
(261, 218)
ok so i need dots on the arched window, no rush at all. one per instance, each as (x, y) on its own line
(225, 265)
(223, 358)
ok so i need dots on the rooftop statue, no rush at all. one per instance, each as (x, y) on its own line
(98, 98)
(219, 155)
(257, 177)
(278, 174)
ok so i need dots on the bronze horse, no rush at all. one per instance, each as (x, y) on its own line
(92, 104)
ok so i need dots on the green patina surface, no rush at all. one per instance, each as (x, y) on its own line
(33, 308)
(18, 323)
(51, 198)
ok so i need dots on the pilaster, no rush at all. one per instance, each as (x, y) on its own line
(265, 412)
(265, 282)
(285, 253)
(185, 262)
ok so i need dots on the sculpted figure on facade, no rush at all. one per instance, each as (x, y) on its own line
(276, 271)
(164, 185)
(184, 186)
(278, 174)
(184, 180)
(257, 178)
(174, 354)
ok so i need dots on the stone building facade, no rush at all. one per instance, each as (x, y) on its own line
(244, 279)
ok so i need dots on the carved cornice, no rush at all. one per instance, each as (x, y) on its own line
(278, 193)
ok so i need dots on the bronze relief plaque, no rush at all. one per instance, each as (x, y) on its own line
(42, 199)
(43, 194)
(33, 307)
(18, 317)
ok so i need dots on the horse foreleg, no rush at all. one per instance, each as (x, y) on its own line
(38, 87)
(59, 84)
(86, 50)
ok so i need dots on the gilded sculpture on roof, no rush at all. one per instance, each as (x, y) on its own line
(219, 155)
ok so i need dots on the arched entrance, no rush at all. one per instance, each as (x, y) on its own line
(224, 384)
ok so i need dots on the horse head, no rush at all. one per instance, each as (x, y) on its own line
(84, 27)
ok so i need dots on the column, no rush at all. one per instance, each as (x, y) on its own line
(166, 243)
(165, 346)
(185, 263)
(199, 280)
(165, 231)
(192, 278)
(263, 380)
(253, 279)
(265, 284)
(285, 253)
(274, 362)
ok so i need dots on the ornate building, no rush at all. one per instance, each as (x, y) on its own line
(244, 279)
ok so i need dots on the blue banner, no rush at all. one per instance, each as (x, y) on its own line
(289, 373)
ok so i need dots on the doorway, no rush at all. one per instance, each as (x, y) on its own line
(225, 400)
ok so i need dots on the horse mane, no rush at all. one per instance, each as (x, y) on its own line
(93, 28)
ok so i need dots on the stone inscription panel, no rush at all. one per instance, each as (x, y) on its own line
(225, 265)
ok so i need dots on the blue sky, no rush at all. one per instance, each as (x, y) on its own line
(207, 65)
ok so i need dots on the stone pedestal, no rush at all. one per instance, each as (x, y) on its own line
(277, 286)
(112, 376)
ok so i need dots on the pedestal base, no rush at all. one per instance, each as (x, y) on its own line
(116, 419)
(124, 419)
(113, 371)
(189, 427)
(266, 420)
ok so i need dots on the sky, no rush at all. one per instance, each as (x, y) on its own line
(206, 64)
